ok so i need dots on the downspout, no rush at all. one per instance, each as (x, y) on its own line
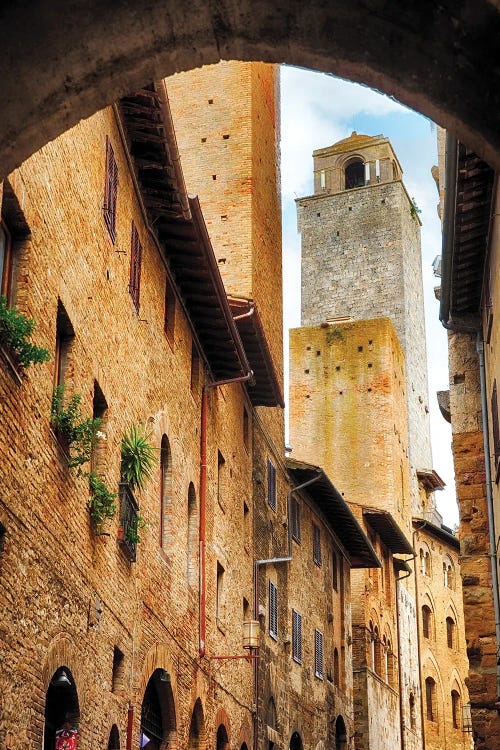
(203, 504)
(400, 668)
(489, 501)
(130, 725)
(272, 561)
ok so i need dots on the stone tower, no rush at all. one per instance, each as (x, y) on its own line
(361, 259)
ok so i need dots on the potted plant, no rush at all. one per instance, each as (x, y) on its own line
(15, 333)
(137, 458)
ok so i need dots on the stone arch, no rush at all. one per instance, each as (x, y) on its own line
(222, 720)
(431, 669)
(244, 736)
(156, 658)
(410, 57)
(222, 738)
(158, 728)
(62, 707)
(296, 741)
(353, 169)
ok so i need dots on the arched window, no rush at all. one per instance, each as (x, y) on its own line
(296, 741)
(385, 654)
(430, 699)
(336, 668)
(456, 709)
(422, 562)
(413, 715)
(192, 533)
(62, 709)
(377, 649)
(450, 632)
(426, 621)
(448, 577)
(354, 174)
(165, 490)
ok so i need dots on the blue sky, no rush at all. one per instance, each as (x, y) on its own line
(318, 110)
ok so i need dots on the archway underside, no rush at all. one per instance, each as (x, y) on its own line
(63, 61)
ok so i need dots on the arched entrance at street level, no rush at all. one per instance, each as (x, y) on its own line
(62, 708)
(296, 742)
(158, 722)
(340, 734)
(197, 728)
(222, 739)
(114, 738)
(63, 61)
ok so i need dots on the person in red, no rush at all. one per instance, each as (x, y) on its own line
(66, 736)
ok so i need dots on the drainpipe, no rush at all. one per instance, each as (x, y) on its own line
(130, 725)
(272, 561)
(203, 504)
(489, 500)
(400, 668)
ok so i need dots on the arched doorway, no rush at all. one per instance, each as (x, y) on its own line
(197, 728)
(62, 709)
(114, 738)
(222, 740)
(340, 734)
(295, 741)
(158, 722)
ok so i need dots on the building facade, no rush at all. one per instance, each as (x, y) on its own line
(468, 296)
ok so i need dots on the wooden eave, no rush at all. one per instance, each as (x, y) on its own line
(337, 513)
(265, 389)
(176, 221)
(471, 231)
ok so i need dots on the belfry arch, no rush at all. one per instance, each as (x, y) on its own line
(63, 62)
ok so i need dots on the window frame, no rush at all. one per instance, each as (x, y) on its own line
(136, 250)
(296, 636)
(318, 654)
(110, 190)
(271, 485)
(295, 520)
(317, 554)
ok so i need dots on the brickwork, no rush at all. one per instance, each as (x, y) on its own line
(70, 597)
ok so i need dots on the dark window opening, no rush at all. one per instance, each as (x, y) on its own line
(134, 286)
(65, 335)
(318, 654)
(62, 710)
(110, 191)
(354, 174)
(296, 520)
(296, 636)
(317, 545)
(99, 411)
(273, 610)
(271, 484)
(118, 679)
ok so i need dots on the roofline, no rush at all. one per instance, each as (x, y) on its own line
(420, 524)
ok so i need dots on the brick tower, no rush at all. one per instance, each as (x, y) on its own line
(361, 259)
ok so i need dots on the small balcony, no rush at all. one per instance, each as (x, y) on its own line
(129, 521)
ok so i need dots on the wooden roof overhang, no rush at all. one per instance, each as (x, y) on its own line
(176, 222)
(443, 533)
(388, 530)
(469, 228)
(337, 513)
(265, 390)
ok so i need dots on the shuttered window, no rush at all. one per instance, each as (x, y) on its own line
(318, 654)
(135, 267)
(295, 510)
(496, 430)
(297, 636)
(273, 610)
(317, 545)
(271, 484)
(110, 191)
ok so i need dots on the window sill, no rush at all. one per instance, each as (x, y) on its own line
(13, 368)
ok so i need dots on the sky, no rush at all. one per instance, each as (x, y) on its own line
(316, 111)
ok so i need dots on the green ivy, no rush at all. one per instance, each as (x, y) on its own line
(80, 434)
(15, 331)
(102, 502)
(132, 531)
(414, 209)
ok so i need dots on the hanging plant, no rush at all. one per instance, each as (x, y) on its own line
(102, 502)
(137, 458)
(78, 435)
(15, 333)
(131, 534)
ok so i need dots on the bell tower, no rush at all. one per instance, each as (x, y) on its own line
(361, 260)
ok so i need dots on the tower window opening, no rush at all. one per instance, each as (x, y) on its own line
(354, 174)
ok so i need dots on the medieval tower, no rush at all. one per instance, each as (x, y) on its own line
(358, 406)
